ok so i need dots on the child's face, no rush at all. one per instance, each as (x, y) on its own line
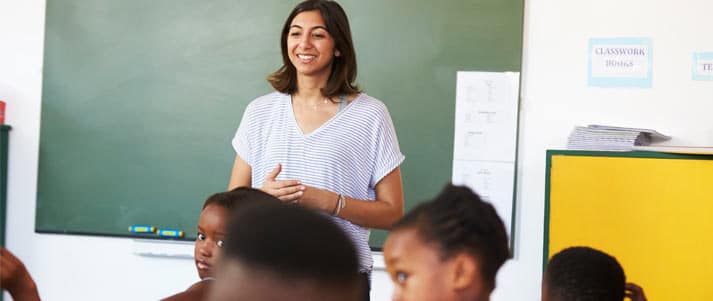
(209, 241)
(419, 273)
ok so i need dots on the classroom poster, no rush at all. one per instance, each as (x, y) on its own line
(703, 66)
(620, 62)
(485, 140)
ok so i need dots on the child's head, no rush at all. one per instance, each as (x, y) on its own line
(449, 248)
(582, 273)
(282, 252)
(213, 221)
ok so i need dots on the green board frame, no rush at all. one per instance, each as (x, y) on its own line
(140, 97)
(4, 141)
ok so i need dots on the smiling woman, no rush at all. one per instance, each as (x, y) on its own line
(318, 141)
(310, 47)
(309, 34)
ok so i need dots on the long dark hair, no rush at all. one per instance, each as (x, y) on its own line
(344, 67)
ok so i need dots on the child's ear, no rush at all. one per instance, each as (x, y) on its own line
(465, 272)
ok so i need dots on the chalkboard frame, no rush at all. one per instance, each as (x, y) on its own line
(370, 70)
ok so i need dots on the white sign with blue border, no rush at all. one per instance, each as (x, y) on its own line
(620, 62)
(703, 66)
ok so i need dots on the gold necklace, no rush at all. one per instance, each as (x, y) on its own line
(315, 105)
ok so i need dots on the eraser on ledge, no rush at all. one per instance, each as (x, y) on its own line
(170, 233)
(142, 229)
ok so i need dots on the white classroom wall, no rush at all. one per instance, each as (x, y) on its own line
(555, 97)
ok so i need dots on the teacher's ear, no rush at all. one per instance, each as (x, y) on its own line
(337, 53)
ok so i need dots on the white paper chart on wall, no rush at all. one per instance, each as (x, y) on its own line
(485, 140)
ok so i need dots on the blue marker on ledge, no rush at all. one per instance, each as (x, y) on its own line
(170, 233)
(142, 229)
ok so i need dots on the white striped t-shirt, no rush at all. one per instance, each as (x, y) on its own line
(349, 154)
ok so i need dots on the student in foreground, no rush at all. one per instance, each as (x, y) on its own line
(278, 252)
(446, 249)
(586, 274)
(212, 224)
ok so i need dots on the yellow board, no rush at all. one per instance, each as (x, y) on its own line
(655, 215)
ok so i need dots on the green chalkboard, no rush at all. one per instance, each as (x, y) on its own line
(141, 98)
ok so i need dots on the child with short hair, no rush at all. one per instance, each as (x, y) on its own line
(583, 273)
(446, 249)
(213, 221)
(283, 252)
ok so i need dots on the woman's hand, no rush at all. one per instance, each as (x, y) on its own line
(380, 213)
(285, 190)
(319, 199)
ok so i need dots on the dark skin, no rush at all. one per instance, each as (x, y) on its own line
(211, 228)
(635, 292)
(632, 291)
(197, 291)
(15, 278)
(211, 225)
(237, 281)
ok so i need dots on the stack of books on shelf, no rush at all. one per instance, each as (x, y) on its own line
(611, 138)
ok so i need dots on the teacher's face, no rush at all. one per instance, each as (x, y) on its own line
(310, 46)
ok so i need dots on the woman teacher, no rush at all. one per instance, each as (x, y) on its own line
(318, 141)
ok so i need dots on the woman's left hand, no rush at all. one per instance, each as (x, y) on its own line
(380, 213)
(318, 199)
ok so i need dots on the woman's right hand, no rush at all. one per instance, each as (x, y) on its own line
(285, 190)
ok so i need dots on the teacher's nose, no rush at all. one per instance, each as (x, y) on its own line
(306, 42)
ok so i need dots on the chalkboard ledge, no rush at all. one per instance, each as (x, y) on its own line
(134, 236)
(163, 248)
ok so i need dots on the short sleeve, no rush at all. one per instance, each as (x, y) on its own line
(387, 153)
(241, 141)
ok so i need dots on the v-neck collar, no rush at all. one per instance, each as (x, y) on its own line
(291, 112)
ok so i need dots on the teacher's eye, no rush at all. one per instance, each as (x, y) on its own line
(219, 243)
(295, 34)
(318, 36)
(200, 236)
